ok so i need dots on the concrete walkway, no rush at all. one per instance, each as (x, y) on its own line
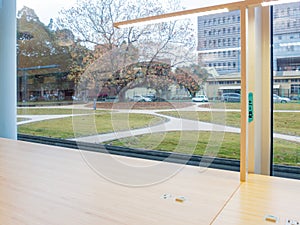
(171, 124)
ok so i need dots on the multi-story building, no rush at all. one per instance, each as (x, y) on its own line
(219, 48)
(219, 40)
(286, 39)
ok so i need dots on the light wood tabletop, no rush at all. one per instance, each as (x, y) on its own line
(43, 184)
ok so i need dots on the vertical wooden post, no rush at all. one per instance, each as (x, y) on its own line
(251, 58)
(266, 91)
(244, 99)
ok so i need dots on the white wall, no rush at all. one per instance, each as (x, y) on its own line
(8, 123)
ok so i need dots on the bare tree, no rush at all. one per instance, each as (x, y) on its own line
(91, 21)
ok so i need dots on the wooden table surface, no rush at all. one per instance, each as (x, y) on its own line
(43, 185)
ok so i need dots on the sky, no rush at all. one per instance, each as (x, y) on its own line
(46, 9)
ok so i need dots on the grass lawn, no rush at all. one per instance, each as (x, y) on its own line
(88, 125)
(277, 106)
(224, 105)
(47, 103)
(52, 111)
(22, 119)
(190, 142)
(287, 106)
(285, 152)
(284, 122)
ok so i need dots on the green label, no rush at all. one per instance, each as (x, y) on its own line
(250, 107)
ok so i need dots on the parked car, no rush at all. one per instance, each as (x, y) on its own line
(75, 98)
(278, 99)
(295, 98)
(140, 98)
(155, 98)
(200, 98)
(231, 97)
(151, 96)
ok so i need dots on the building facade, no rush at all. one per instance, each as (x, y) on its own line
(286, 86)
(219, 40)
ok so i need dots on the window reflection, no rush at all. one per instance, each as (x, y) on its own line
(166, 82)
(286, 74)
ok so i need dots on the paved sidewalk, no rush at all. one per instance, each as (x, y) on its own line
(171, 124)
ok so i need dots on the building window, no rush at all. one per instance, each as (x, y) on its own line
(295, 88)
(290, 48)
(276, 13)
(279, 37)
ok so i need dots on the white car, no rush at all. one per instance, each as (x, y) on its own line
(200, 98)
(140, 98)
(278, 99)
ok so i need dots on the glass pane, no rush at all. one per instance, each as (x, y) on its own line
(168, 87)
(286, 83)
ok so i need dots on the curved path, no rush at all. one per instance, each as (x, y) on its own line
(171, 124)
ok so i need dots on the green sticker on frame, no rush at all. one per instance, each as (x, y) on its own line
(250, 107)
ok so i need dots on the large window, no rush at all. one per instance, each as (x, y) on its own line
(145, 87)
(286, 74)
(169, 87)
